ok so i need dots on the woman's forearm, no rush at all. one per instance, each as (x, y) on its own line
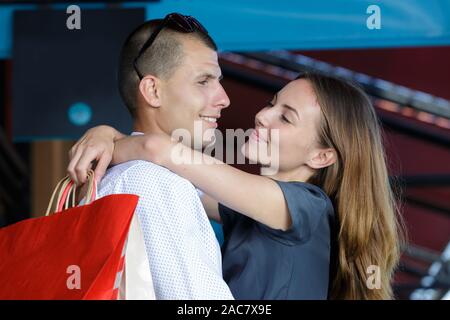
(129, 148)
(258, 197)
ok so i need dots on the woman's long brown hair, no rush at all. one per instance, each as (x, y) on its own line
(369, 223)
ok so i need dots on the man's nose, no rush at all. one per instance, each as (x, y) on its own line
(222, 100)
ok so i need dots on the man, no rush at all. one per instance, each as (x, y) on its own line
(169, 78)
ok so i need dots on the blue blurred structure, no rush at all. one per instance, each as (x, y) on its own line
(290, 24)
(218, 231)
(79, 113)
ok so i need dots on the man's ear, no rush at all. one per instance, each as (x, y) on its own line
(322, 158)
(150, 89)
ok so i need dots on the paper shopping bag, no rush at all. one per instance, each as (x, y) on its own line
(74, 254)
(137, 283)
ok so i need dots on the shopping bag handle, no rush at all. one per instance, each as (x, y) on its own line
(66, 191)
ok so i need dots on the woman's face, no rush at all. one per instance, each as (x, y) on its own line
(294, 115)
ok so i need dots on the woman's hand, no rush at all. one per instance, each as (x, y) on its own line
(96, 145)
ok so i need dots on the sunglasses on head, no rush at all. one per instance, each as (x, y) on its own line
(175, 21)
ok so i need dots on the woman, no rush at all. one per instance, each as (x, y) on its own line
(316, 228)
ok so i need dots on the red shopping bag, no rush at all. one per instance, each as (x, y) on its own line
(75, 254)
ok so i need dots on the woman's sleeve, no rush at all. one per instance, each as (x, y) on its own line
(308, 207)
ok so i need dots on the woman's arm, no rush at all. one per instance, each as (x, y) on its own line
(256, 196)
(97, 145)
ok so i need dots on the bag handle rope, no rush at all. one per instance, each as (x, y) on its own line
(66, 190)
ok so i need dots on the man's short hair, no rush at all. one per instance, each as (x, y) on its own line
(161, 59)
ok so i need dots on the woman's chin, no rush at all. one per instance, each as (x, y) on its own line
(250, 152)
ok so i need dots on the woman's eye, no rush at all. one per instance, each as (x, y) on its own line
(204, 82)
(283, 118)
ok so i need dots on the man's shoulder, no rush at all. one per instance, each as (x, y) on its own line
(144, 173)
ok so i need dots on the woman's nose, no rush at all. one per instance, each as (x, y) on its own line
(261, 118)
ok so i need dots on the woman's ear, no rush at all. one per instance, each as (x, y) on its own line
(322, 158)
(150, 89)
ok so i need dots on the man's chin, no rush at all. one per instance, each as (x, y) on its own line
(209, 143)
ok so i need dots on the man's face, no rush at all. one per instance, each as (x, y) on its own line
(193, 94)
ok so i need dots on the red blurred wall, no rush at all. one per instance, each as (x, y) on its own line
(424, 69)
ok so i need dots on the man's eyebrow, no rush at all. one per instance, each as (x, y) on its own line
(209, 76)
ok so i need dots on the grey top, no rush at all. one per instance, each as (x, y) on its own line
(263, 263)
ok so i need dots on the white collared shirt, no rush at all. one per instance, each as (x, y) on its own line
(183, 252)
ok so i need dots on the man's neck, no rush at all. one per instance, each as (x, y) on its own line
(146, 124)
(146, 129)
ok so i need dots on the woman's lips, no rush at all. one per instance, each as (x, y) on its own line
(257, 136)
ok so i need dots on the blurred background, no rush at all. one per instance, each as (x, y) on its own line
(57, 79)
